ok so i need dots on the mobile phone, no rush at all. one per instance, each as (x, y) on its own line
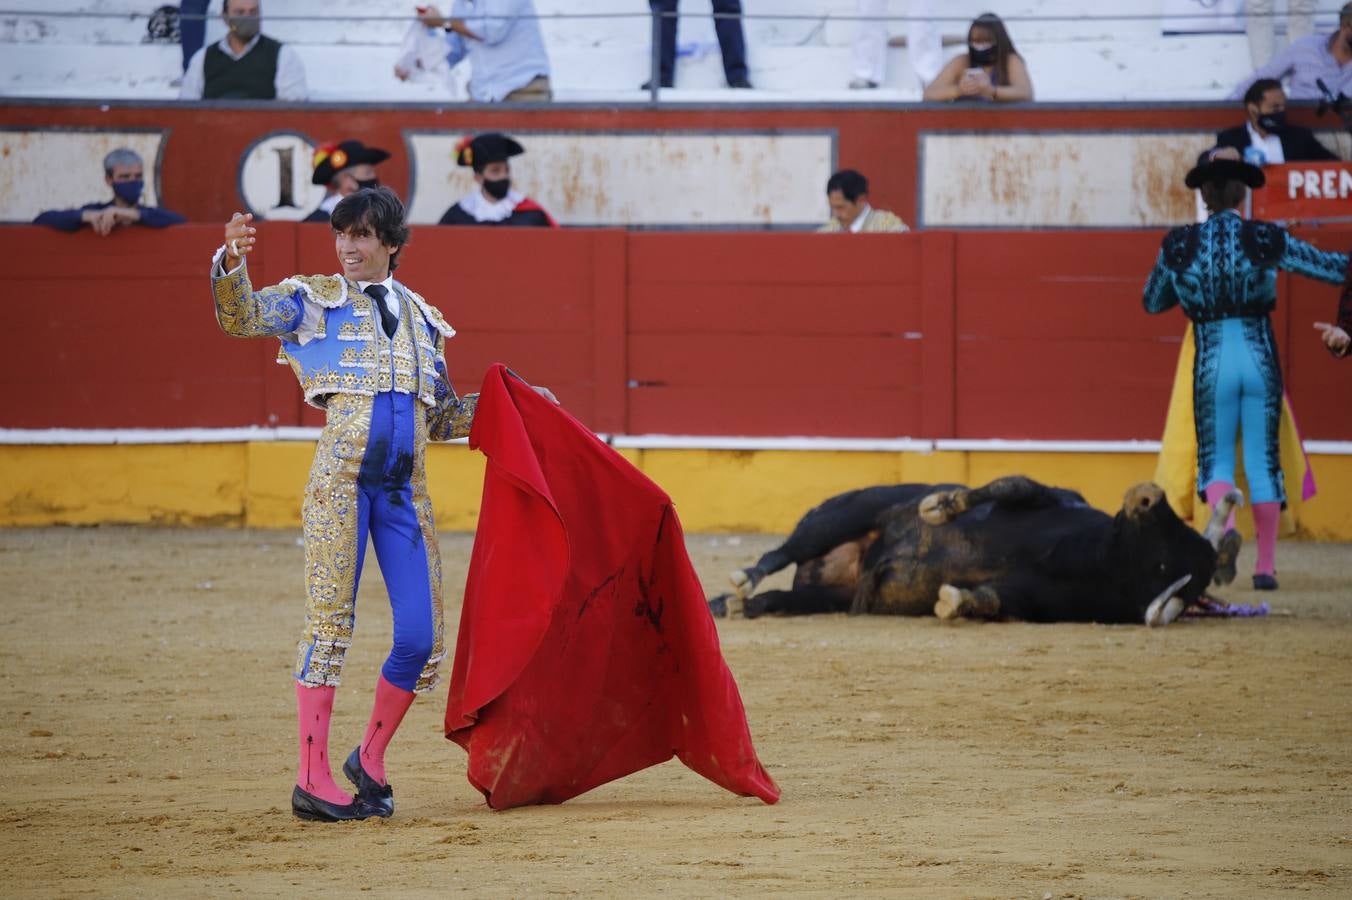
(973, 72)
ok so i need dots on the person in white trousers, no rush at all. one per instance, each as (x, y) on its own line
(868, 67)
(1261, 26)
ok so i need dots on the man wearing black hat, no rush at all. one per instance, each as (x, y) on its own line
(494, 202)
(1223, 274)
(344, 168)
(1266, 138)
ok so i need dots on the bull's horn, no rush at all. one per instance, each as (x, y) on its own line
(1166, 607)
(1216, 527)
(1142, 498)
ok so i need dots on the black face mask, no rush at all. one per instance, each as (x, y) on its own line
(367, 183)
(498, 189)
(980, 57)
(1273, 122)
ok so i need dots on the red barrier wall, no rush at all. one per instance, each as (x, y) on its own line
(974, 335)
(207, 141)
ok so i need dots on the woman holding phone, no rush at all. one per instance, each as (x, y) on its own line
(991, 69)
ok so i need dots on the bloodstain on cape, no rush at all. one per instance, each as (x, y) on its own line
(586, 650)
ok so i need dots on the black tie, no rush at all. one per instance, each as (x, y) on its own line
(388, 317)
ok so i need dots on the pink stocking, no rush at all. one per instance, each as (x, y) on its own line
(314, 708)
(1265, 517)
(388, 712)
(1214, 492)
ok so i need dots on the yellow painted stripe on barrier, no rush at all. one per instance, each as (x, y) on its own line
(260, 484)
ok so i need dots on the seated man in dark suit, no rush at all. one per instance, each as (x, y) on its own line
(1267, 133)
(125, 174)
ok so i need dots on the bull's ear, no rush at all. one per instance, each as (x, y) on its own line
(1141, 499)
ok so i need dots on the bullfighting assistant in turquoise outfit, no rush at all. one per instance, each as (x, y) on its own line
(1223, 274)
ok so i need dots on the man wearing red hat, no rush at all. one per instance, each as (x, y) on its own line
(344, 168)
(493, 202)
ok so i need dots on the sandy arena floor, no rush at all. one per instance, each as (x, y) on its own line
(150, 749)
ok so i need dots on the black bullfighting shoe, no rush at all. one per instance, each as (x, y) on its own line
(379, 797)
(312, 809)
(1265, 582)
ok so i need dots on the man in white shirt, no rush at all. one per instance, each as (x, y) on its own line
(245, 64)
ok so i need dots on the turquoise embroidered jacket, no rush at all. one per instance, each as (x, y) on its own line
(349, 352)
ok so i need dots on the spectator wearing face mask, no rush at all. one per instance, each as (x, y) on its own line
(991, 69)
(245, 64)
(344, 168)
(125, 174)
(1309, 60)
(493, 202)
(1266, 138)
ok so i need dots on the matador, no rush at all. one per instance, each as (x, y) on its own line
(371, 353)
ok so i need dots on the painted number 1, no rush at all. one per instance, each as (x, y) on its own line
(285, 177)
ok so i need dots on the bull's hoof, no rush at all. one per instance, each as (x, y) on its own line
(718, 606)
(943, 506)
(1227, 554)
(953, 603)
(742, 583)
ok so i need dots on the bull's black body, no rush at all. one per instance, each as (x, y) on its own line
(1018, 549)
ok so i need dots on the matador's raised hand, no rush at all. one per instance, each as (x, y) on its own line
(239, 239)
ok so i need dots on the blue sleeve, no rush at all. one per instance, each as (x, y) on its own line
(1277, 68)
(155, 217)
(456, 49)
(1159, 289)
(61, 219)
(493, 20)
(1308, 260)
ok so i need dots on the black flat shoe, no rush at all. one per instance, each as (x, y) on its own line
(379, 797)
(1264, 582)
(310, 808)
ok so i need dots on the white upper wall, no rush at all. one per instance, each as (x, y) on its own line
(350, 58)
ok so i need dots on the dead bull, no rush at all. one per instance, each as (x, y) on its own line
(1011, 549)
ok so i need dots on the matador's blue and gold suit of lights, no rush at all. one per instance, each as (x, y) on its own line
(1223, 273)
(385, 398)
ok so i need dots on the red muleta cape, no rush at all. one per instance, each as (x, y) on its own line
(586, 650)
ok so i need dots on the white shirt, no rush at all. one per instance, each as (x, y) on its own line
(485, 210)
(289, 80)
(858, 224)
(391, 301)
(1270, 145)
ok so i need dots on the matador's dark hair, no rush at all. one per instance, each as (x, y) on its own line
(375, 211)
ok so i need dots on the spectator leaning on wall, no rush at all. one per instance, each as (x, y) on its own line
(1326, 57)
(502, 40)
(1267, 139)
(991, 69)
(125, 174)
(245, 64)
(847, 193)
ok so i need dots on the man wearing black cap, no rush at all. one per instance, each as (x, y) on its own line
(344, 168)
(494, 202)
(1223, 274)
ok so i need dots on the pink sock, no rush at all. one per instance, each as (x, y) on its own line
(314, 708)
(388, 712)
(1214, 492)
(1265, 517)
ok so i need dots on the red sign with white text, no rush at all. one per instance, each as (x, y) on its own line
(1308, 191)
